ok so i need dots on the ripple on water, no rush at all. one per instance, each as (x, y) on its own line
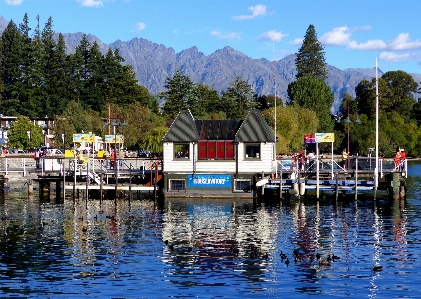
(220, 248)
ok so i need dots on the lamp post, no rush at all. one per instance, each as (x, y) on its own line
(29, 138)
(115, 122)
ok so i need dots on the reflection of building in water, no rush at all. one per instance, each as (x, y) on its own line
(214, 229)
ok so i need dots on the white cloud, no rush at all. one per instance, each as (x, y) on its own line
(91, 3)
(337, 37)
(140, 26)
(341, 36)
(402, 42)
(272, 36)
(398, 57)
(258, 10)
(233, 35)
(374, 44)
(14, 2)
(296, 42)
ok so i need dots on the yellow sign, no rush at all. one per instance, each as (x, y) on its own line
(325, 137)
(83, 137)
(118, 138)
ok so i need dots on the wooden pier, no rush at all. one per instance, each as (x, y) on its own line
(331, 177)
(92, 178)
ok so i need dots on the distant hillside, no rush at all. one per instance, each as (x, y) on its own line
(153, 63)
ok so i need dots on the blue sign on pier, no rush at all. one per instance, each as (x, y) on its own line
(209, 180)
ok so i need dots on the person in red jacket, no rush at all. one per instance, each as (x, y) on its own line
(403, 158)
(397, 159)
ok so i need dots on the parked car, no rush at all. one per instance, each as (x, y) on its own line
(53, 151)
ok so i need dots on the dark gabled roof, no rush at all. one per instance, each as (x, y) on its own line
(183, 129)
(217, 129)
(254, 129)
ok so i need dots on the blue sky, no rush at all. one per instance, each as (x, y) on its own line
(353, 32)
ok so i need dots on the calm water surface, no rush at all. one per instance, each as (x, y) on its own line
(216, 248)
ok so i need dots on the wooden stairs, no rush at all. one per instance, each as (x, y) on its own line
(158, 176)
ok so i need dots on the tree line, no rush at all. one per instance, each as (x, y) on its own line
(38, 77)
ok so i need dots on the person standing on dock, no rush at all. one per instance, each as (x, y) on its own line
(345, 156)
(397, 158)
(403, 158)
(113, 160)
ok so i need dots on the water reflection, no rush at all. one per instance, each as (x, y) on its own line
(209, 248)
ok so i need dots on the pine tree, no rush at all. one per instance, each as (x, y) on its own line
(36, 101)
(179, 96)
(310, 59)
(57, 79)
(12, 49)
(95, 81)
(238, 99)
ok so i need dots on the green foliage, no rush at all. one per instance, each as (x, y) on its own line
(41, 79)
(74, 120)
(180, 95)
(152, 140)
(208, 98)
(316, 95)
(292, 123)
(12, 48)
(238, 99)
(402, 87)
(19, 138)
(140, 122)
(267, 101)
(310, 59)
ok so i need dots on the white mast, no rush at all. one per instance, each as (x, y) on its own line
(376, 170)
(274, 78)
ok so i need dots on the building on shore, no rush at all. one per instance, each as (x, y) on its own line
(205, 158)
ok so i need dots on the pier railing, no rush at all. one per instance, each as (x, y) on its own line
(21, 164)
(337, 165)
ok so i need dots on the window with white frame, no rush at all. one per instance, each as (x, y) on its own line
(177, 185)
(252, 150)
(243, 185)
(181, 150)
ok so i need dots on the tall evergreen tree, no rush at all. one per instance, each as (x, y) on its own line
(179, 96)
(238, 99)
(12, 49)
(35, 99)
(310, 59)
(79, 62)
(57, 79)
(94, 85)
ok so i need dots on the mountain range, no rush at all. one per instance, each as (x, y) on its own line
(153, 63)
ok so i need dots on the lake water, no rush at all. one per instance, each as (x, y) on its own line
(216, 248)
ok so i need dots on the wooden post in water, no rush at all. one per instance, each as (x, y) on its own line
(356, 178)
(74, 178)
(395, 185)
(280, 185)
(101, 175)
(30, 186)
(130, 182)
(156, 179)
(64, 180)
(337, 187)
(253, 187)
(88, 178)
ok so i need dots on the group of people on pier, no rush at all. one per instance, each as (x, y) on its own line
(400, 157)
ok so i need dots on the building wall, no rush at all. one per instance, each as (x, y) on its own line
(186, 165)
